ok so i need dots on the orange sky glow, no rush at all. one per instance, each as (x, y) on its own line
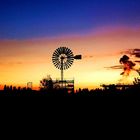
(23, 61)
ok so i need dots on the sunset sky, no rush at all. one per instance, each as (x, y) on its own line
(101, 30)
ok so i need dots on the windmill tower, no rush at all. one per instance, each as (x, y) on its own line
(63, 59)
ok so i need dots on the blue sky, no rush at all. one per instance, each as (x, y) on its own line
(25, 19)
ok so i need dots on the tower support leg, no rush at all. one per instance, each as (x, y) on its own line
(62, 73)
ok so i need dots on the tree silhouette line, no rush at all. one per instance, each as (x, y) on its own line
(48, 90)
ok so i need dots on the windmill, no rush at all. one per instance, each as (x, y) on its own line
(63, 59)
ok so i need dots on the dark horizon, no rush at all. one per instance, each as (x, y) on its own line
(49, 91)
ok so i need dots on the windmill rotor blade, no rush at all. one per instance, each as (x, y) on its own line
(54, 57)
(59, 51)
(63, 50)
(70, 55)
(59, 66)
(56, 53)
(68, 64)
(70, 60)
(67, 51)
(56, 64)
(65, 67)
(55, 60)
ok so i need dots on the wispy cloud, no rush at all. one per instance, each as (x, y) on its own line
(133, 52)
(137, 61)
(21, 63)
(115, 67)
(88, 56)
(11, 63)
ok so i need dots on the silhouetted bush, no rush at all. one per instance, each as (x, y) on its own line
(111, 90)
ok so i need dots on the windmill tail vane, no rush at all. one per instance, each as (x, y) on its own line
(78, 57)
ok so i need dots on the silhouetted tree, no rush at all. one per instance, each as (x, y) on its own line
(11, 88)
(14, 88)
(5, 88)
(19, 88)
(136, 81)
(46, 83)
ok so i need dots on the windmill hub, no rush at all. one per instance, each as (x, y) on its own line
(63, 56)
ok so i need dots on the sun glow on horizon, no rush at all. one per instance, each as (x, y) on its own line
(30, 61)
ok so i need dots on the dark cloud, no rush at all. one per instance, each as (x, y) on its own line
(127, 64)
(137, 61)
(136, 53)
(133, 52)
(115, 67)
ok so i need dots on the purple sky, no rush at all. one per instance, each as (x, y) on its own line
(25, 19)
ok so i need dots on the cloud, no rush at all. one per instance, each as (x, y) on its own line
(137, 61)
(20, 63)
(133, 52)
(136, 53)
(11, 63)
(115, 67)
(128, 65)
(88, 56)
